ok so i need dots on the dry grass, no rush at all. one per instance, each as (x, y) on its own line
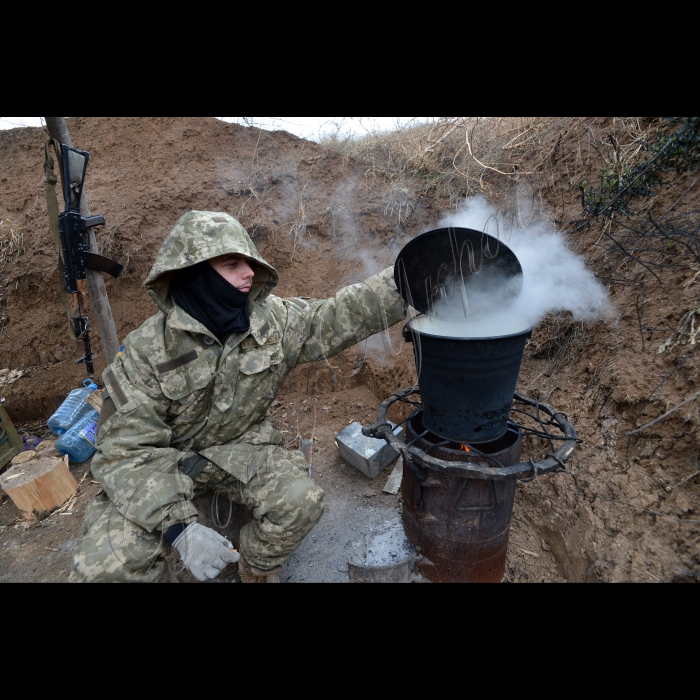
(462, 156)
(453, 155)
(298, 229)
(562, 341)
(686, 334)
(11, 241)
(531, 168)
(111, 244)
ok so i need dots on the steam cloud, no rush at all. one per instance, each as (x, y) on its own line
(555, 278)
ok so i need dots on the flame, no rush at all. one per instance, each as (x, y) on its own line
(465, 448)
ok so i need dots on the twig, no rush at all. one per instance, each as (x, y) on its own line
(116, 228)
(664, 417)
(486, 167)
(658, 388)
(541, 374)
(675, 204)
(445, 136)
(685, 481)
(299, 227)
(640, 316)
(255, 155)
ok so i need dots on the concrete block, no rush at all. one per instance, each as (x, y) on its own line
(367, 455)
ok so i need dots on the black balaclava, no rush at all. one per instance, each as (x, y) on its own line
(206, 296)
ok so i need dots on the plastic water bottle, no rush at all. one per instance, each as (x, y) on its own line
(79, 442)
(73, 409)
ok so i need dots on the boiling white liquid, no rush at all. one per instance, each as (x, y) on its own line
(492, 327)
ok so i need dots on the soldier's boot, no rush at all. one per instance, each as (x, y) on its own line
(250, 574)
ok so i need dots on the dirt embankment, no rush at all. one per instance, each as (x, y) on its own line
(312, 214)
(629, 511)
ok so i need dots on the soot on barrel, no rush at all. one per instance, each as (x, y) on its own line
(461, 525)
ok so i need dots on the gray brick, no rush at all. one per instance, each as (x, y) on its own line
(369, 456)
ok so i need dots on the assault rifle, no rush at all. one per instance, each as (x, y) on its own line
(73, 230)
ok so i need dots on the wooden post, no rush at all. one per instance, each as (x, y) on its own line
(58, 129)
(39, 487)
(10, 442)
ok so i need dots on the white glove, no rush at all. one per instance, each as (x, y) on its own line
(205, 552)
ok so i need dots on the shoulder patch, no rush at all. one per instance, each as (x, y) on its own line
(115, 391)
(250, 343)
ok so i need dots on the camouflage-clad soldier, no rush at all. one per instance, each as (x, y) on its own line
(187, 409)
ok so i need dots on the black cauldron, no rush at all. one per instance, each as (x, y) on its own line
(467, 384)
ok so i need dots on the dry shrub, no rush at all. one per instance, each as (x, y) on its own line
(560, 339)
(452, 155)
(110, 243)
(531, 168)
(299, 227)
(687, 332)
(463, 156)
(11, 241)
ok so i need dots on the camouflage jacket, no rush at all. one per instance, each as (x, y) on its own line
(175, 390)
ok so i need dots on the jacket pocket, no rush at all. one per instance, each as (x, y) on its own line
(261, 375)
(181, 384)
(260, 359)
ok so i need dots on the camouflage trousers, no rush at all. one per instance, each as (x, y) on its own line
(286, 506)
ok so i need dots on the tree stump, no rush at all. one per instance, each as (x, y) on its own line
(47, 450)
(40, 486)
(23, 458)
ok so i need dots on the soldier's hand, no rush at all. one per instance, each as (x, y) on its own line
(205, 552)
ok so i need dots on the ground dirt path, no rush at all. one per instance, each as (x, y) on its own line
(42, 552)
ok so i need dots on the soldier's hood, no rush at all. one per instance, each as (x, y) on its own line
(200, 236)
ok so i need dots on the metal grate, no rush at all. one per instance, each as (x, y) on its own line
(550, 425)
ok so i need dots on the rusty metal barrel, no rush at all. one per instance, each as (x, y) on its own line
(460, 525)
(458, 499)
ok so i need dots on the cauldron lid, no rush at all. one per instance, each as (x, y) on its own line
(434, 257)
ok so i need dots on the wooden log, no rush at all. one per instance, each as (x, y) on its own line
(39, 487)
(95, 400)
(47, 449)
(23, 458)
